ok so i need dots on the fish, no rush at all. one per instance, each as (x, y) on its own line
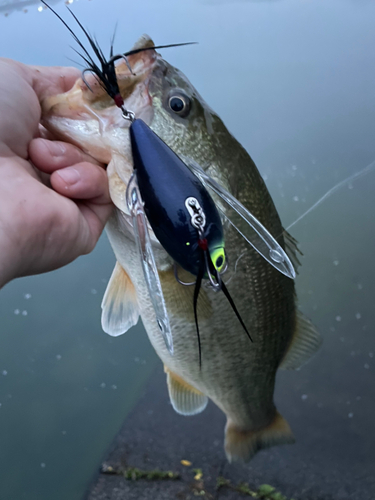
(237, 375)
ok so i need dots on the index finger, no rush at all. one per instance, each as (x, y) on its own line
(49, 156)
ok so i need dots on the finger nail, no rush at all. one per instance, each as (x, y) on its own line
(69, 175)
(56, 148)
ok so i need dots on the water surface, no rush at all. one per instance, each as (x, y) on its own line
(295, 83)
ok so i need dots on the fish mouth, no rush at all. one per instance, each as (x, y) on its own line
(88, 117)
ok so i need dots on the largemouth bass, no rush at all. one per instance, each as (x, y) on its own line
(237, 375)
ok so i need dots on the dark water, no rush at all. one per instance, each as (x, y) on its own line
(295, 83)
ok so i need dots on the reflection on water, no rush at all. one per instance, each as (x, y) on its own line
(65, 386)
(9, 6)
(294, 82)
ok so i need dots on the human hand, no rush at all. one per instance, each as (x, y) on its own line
(54, 199)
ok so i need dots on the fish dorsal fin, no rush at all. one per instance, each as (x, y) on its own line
(292, 250)
(120, 309)
(305, 342)
(185, 399)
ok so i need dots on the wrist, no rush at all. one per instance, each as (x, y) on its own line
(8, 258)
(9, 248)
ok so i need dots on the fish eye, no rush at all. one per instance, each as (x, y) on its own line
(179, 103)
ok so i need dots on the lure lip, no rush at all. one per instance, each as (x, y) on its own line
(264, 243)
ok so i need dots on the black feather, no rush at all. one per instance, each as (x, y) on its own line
(231, 302)
(225, 290)
(105, 73)
(196, 294)
(154, 47)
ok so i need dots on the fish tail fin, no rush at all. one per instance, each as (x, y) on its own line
(241, 445)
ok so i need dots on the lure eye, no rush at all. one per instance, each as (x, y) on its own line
(179, 103)
(218, 259)
(219, 262)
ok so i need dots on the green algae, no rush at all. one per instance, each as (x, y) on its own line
(264, 492)
(198, 474)
(134, 474)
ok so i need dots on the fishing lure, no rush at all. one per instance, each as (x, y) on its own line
(187, 223)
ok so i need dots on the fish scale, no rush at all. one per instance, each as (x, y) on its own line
(237, 375)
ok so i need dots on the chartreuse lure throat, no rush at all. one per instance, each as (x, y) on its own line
(173, 196)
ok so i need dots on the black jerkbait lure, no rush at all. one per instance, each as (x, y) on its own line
(180, 211)
(173, 198)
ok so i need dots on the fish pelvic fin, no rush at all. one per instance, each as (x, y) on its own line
(305, 343)
(186, 399)
(241, 445)
(120, 310)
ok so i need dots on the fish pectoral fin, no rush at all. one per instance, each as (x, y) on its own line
(241, 445)
(305, 342)
(117, 186)
(120, 310)
(185, 399)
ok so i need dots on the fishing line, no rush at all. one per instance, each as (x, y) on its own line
(235, 266)
(335, 188)
(366, 170)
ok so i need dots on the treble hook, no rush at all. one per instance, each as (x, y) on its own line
(121, 56)
(178, 279)
(84, 79)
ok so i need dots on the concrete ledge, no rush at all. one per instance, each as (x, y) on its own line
(155, 437)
